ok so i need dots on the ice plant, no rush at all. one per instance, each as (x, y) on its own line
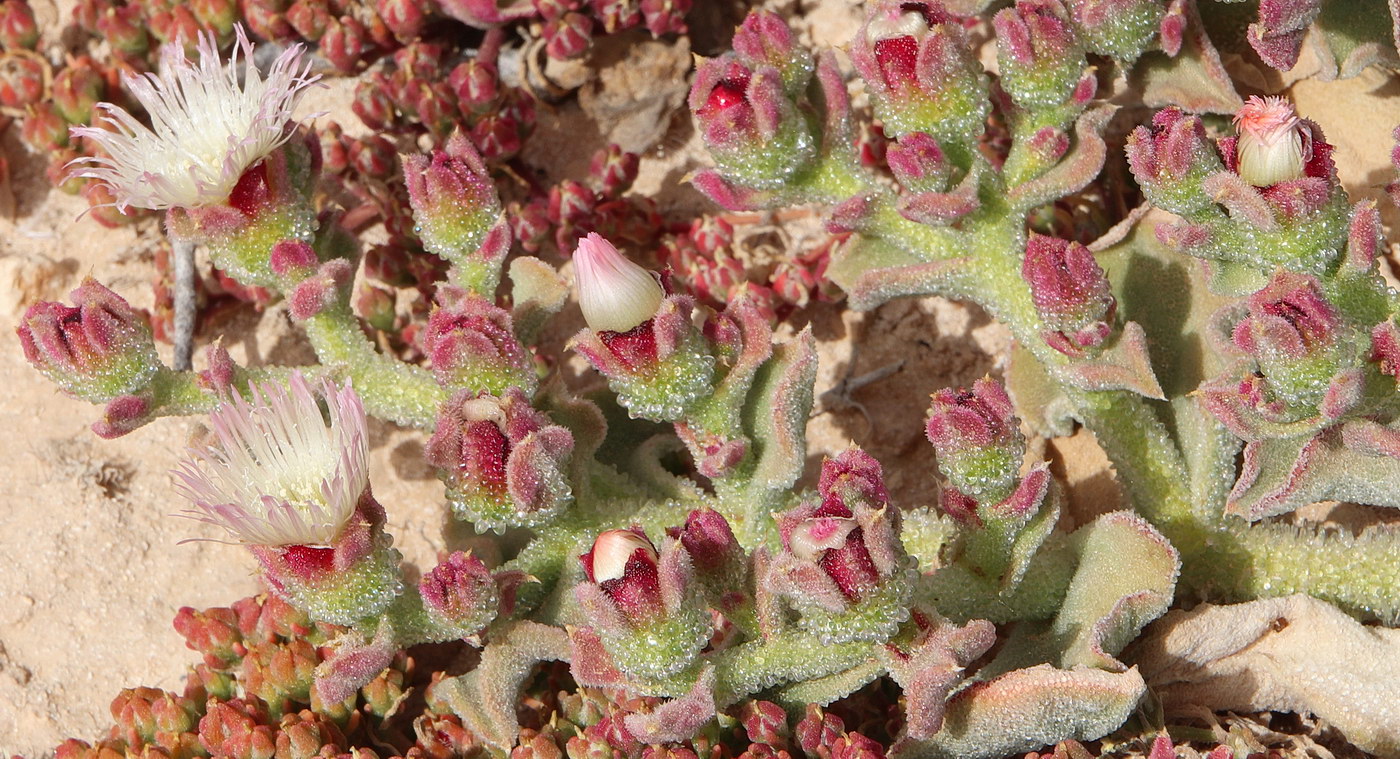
(279, 473)
(676, 562)
(211, 121)
(210, 155)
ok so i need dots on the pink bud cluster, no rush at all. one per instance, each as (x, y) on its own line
(1071, 294)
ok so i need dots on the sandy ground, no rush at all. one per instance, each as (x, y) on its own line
(91, 569)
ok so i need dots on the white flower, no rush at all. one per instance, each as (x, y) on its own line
(206, 128)
(615, 294)
(280, 474)
(1273, 145)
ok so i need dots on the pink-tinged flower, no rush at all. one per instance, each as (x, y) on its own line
(625, 565)
(210, 122)
(1273, 144)
(1071, 293)
(615, 294)
(97, 349)
(281, 473)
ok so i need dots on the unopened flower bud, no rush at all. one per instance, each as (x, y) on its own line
(18, 29)
(1273, 145)
(665, 16)
(77, 90)
(372, 102)
(1041, 61)
(476, 85)
(1171, 159)
(918, 63)
(125, 30)
(1071, 294)
(978, 440)
(405, 18)
(21, 81)
(1119, 29)
(749, 123)
(617, 15)
(624, 564)
(218, 16)
(344, 43)
(472, 345)
(765, 39)
(44, 129)
(844, 552)
(1293, 333)
(460, 594)
(503, 462)
(713, 549)
(98, 349)
(568, 36)
(614, 170)
(454, 202)
(918, 163)
(614, 294)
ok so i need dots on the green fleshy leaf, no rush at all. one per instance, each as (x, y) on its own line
(1029, 708)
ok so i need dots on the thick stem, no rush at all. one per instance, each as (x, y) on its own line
(390, 388)
(183, 253)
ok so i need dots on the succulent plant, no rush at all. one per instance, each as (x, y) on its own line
(656, 538)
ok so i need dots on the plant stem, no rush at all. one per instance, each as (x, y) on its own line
(183, 253)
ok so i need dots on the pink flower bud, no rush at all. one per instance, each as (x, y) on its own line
(405, 18)
(44, 129)
(918, 163)
(322, 290)
(1071, 293)
(624, 564)
(1171, 159)
(917, 61)
(476, 84)
(472, 345)
(1289, 321)
(21, 81)
(454, 201)
(978, 439)
(1273, 145)
(710, 542)
(310, 19)
(568, 36)
(614, 170)
(503, 462)
(749, 123)
(125, 30)
(1041, 61)
(764, 39)
(614, 294)
(665, 16)
(98, 349)
(18, 29)
(460, 593)
(344, 43)
(373, 104)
